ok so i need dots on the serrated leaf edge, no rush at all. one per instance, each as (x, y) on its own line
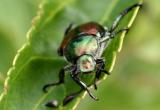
(27, 43)
(33, 27)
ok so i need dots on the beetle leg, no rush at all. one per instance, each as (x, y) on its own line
(100, 69)
(122, 30)
(122, 14)
(113, 34)
(61, 76)
(83, 86)
(68, 28)
(52, 104)
(61, 80)
(70, 97)
(101, 66)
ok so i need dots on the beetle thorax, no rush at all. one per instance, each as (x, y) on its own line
(80, 46)
(86, 63)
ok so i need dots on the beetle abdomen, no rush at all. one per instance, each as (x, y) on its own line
(79, 46)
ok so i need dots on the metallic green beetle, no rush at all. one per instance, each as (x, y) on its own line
(83, 47)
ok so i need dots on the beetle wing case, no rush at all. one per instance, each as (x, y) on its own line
(90, 28)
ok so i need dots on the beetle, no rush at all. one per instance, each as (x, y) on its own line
(83, 47)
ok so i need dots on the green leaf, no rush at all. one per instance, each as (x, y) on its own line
(15, 18)
(37, 63)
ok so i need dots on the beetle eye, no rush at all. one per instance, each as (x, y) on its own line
(86, 63)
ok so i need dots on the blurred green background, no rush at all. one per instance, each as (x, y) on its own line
(135, 80)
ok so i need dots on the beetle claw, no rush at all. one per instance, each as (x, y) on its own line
(45, 89)
(68, 99)
(52, 104)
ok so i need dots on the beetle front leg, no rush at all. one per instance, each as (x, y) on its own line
(70, 97)
(61, 80)
(61, 76)
(54, 103)
(100, 69)
(67, 99)
(83, 86)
